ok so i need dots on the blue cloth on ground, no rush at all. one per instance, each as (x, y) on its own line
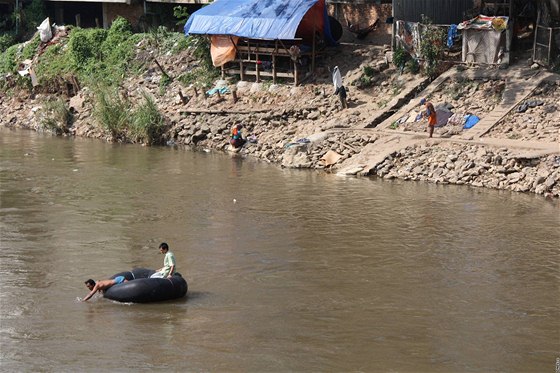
(222, 90)
(470, 121)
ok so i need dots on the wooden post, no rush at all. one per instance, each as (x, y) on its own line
(241, 72)
(184, 99)
(274, 61)
(257, 71)
(78, 20)
(234, 95)
(296, 73)
(536, 32)
(548, 62)
(274, 68)
(313, 46)
(162, 70)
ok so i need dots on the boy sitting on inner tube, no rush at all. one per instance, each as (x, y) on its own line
(169, 266)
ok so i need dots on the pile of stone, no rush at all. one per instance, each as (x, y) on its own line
(535, 119)
(474, 165)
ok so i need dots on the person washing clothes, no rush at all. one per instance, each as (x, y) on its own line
(237, 139)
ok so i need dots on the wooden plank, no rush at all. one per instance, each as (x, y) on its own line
(262, 73)
(264, 50)
(222, 112)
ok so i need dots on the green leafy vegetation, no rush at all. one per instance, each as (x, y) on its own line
(55, 116)
(147, 125)
(33, 15)
(118, 117)
(7, 39)
(366, 79)
(181, 14)
(22, 23)
(400, 57)
(205, 73)
(112, 112)
(54, 62)
(431, 47)
(94, 56)
(413, 66)
(100, 60)
(8, 60)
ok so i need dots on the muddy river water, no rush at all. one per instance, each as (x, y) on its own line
(287, 270)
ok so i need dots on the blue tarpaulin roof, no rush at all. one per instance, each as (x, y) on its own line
(254, 19)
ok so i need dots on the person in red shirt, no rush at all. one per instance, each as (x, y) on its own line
(430, 113)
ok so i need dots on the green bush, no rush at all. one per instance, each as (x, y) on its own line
(148, 124)
(99, 55)
(30, 48)
(180, 44)
(79, 47)
(363, 82)
(8, 60)
(56, 116)
(112, 112)
(118, 50)
(413, 66)
(400, 56)
(52, 64)
(7, 39)
(369, 71)
(431, 47)
(34, 14)
(85, 46)
(181, 14)
(120, 27)
(201, 46)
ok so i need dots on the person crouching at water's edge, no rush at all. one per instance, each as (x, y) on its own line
(169, 266)
(237, 139)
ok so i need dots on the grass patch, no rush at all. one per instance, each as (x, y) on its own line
(147, 125)
(112, 112)
(366, 79)
(55, 116)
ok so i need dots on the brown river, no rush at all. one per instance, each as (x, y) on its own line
(288, 270)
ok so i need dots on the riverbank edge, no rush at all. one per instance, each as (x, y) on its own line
(321, 136)
(365, 153)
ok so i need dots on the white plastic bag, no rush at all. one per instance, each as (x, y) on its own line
(45, 31)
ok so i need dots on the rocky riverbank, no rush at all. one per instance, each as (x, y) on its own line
(304, 127)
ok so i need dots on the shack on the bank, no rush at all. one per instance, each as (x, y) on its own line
(273, 38)
(546, 46)
(480, 44)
